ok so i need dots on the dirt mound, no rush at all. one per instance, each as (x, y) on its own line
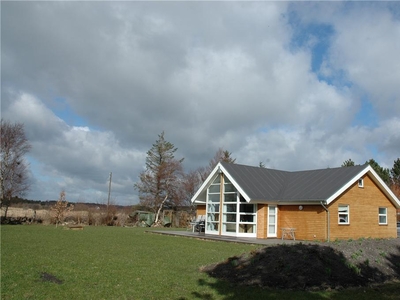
(333, 265)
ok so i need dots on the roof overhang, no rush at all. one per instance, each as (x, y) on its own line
(375, 178)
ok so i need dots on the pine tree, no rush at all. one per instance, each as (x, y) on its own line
(348, 163)
(395, 173)
(382, 172)
(159, 184)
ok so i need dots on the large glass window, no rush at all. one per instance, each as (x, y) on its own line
(229, 208)
(236, 216)
(213, 203)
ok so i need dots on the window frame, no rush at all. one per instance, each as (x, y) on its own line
(382, 215)
(341, 214)
(361, 182)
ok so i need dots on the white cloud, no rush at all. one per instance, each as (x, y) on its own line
(77, 157)
(215, 74)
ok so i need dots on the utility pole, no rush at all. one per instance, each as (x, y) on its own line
(109, 193)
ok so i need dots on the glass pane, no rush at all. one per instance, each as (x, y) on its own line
(230, 218)
(230, 227)
(248, 208)
(271, 209)
(242, 199)
(382, 210)
(230, 197)
(343, 208)
(230, 207)
(271, 229)
(213, 197)
(213, 207)
(382, 219)
(214, 188)
(247, 228)
(343, 218)
(229, 188)
(247, 218)
(217, 180)
(211, 226)
(272, 219)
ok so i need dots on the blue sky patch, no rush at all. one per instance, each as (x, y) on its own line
(63, 110)
(366, 116)
(315, 36)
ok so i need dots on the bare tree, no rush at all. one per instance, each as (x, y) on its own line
(61, 208)
(191, 182)
(220, 156)
(160, 183)
(13, 169)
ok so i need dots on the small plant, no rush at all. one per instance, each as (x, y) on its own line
(357, 254)
(354, 268)
(61, 208)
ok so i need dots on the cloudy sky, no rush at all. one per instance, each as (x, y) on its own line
(296, 85)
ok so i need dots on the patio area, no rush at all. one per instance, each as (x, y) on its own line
(230, 239)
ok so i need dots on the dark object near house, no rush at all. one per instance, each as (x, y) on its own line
(199, 227)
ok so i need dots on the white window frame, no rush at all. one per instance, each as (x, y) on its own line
(341, 214)
(273, 213)
(382, 215)
(361, 183)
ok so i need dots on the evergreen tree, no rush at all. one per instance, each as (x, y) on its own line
(348, 163)
(382, 172)
(395, 172)
(160, 183)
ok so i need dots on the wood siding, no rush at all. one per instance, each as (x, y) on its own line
(310, 223)
(200, 210)
(262, 214)
(364, 206)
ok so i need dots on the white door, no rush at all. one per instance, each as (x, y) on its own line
(272, 221)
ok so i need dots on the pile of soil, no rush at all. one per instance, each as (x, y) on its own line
(314, 266)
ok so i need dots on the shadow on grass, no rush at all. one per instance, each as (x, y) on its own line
(294, 267)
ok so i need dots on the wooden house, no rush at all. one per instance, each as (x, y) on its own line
(326, 204)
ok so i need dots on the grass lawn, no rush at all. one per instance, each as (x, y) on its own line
(127, 263)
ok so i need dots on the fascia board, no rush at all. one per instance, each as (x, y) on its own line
(235, 184)
(206, 183)
(375, 178)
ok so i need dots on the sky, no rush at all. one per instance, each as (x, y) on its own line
(295, 85)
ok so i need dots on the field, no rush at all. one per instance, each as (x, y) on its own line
(44, 262)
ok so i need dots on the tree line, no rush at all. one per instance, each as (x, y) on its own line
(390, 176)
(163, 184)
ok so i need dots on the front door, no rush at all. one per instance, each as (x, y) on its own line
(272, 221)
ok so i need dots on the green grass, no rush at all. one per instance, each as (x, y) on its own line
(127, 263)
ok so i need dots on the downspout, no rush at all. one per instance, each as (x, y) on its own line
(328, 225)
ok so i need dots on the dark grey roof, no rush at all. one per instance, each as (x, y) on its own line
(268, 184)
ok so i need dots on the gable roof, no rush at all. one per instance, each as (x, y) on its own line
(268, 185)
